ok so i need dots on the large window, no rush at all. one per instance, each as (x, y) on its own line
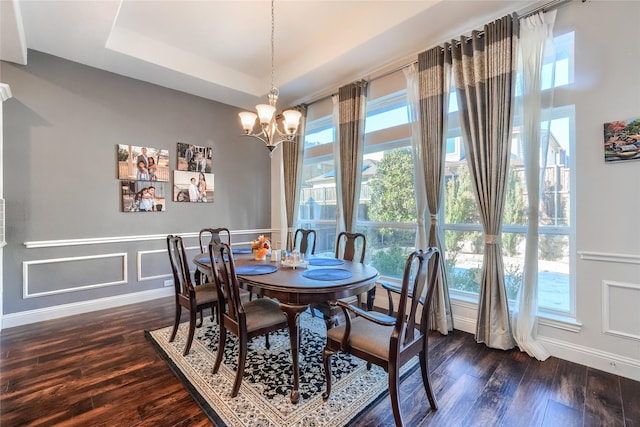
(463, 231)
(387, 210)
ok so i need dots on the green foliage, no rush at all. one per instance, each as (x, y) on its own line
(390, 262)
(123, 154)
(392, 188)
(460, 208)
(515, 212)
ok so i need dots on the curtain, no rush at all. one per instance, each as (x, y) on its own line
(536, 42)
(428, 90)
(292, 174)
(351, 112)
(484, 70)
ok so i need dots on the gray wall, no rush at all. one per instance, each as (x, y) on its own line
(61, 129)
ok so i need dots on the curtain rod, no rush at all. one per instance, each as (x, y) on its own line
(542, 8)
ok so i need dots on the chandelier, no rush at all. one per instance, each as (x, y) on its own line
(269, 131)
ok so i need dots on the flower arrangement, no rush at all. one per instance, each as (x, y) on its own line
(261, 247)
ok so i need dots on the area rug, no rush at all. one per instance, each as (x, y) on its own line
(263, 399)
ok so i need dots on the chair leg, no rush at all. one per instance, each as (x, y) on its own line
(326, 361)
(390, 310)
(176, 323)
(266, 341)
(192, 330)
(201, 319)
(426, 381)
(222, 341)
(394, 393)
(242, 358)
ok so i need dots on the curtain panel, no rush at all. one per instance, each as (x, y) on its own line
(434, 86)
(536, 43)
(351, 114)
(292, 153)
(484, 70)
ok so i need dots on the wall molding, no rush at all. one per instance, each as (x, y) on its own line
(126, 239)
(139, 256)
(27, 264)
(55, 312)
(609, 257)
(606, 308)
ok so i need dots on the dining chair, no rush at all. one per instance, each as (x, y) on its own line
(349, 247)
(390, 342)
(302, 239)
(244, 319)
(193, 298)
(206, 236)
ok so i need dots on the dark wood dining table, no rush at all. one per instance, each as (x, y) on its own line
(295, 292)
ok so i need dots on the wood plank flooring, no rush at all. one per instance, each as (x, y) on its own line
(98, 369)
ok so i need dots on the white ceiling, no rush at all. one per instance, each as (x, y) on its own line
(220, 49)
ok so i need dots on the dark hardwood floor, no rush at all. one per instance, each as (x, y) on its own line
(98, 369)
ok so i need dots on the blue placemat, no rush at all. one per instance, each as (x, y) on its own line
(207, 259)
(241, 251)
(327, 274)
(325, 261)
(256, 269)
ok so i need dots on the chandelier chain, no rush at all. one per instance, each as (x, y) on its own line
(273, 49)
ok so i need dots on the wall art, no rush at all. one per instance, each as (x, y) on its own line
(194, 187)
(622, 140)
(142, 163)
(194, 158)
(143, 196)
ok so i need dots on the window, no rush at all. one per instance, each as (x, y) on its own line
(463, 231)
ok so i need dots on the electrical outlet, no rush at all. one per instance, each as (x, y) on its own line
(168, 282)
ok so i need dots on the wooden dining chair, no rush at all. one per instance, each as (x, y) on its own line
(193, 298)
(303, 239)
(349, 247)
(390, 342)
(244, 319)
(208, 235)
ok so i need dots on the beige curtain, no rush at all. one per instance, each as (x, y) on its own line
(292, 173)
(351, 113)
(434, 85)
(484, 69)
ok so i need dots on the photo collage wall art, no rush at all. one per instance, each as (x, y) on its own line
(143, 174)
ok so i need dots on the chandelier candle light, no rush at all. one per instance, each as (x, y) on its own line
(270, 132)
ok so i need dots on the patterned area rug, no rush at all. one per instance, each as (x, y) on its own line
(263, 399)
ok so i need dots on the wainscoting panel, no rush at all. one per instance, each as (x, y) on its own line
(80, 273)
(620, 314)
(153, 264)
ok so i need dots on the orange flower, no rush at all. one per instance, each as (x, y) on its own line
(261, 243)
(262, 252)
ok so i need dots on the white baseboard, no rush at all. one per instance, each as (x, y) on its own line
(587, 356)
(48, 313)
(593, 358)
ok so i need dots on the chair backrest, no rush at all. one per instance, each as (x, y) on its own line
(226, 280)
(303, 238)
(208, 235)
(179, 266)
(351, 246)
(420, 276)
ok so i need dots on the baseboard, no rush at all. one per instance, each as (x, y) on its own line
(55, 312)
(593, 358)
(587, 356)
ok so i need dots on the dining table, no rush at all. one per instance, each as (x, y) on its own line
(296, 286)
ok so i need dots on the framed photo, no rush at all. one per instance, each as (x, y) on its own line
(192, 187)
(622, 140)
(142, 163)
(194, 158)
(143, 196)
